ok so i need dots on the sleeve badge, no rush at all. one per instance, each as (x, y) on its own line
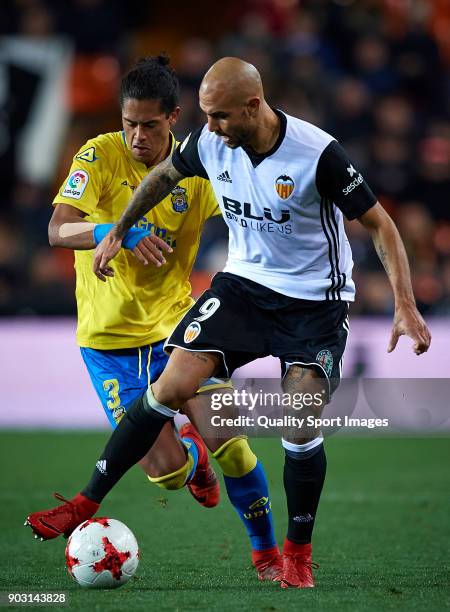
(76, 184)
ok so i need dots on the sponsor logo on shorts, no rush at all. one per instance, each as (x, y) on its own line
(325, 359)
(284, 186)
(179, 199)
(76, 184)
(118, 414)
(192, 331)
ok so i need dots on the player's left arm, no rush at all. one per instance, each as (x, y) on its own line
(338, 181)
(392, 254)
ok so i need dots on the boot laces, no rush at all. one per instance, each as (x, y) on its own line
(274, 562)
(57, 510)
(302, 564)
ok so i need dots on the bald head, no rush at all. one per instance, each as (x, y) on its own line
(232, 97)
(233, 79)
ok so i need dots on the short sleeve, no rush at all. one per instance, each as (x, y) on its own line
(84, 183)
(339, 181)
(209, 203)
(186, 159)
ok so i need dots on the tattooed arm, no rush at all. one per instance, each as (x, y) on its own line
(153, 188)
(390, 249)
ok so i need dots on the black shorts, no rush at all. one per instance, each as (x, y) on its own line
(242, 321)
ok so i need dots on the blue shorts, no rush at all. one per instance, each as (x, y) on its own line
(120, 376)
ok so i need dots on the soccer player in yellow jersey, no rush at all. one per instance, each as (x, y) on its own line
(122, 324)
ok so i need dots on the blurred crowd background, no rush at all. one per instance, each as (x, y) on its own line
(374, 73)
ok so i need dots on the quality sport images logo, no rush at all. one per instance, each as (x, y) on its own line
(76, 184)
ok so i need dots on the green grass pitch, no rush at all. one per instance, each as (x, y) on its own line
(381, 538)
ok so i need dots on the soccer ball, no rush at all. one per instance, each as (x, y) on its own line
(102, 553)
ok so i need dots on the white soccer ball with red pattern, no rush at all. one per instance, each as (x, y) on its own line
(102, 553)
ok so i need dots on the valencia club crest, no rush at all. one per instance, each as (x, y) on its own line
(284, 186)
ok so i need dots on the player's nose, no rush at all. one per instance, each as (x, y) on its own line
(140, 133)
(212, 124)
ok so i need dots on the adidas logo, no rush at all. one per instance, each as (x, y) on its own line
(101, 466)
(303, 518)
(225, 177)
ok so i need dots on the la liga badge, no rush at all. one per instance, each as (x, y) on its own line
(76, 184)
(325, 359)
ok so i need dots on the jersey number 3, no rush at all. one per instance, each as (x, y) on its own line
(111, 386)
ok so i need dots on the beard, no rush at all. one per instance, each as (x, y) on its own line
(238, 139)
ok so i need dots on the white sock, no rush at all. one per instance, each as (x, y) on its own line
(180, 420)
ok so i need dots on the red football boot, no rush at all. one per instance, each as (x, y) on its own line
(62, 520)
(297, 566)
(204, 485)
(268, 564)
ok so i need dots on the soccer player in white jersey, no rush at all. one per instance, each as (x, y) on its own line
(283, 186)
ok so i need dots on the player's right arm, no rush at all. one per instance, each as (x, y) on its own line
(80, 197)
(154, 187)
(69, 229)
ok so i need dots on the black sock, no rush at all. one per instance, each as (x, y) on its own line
(130, 441)
(304, 475)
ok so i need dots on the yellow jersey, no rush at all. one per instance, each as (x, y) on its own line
(141, 304)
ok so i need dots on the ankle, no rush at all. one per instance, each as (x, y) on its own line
(291, 548)
(259, 556)
(85, 502)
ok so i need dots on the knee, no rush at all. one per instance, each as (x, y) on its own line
(174, 392)
(235, 457)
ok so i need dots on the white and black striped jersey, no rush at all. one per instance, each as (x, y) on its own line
(284, 209)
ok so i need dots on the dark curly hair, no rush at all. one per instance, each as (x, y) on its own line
(152, 78)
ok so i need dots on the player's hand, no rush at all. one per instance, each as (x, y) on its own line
(150, 250)
(409, 322)
(106, 250)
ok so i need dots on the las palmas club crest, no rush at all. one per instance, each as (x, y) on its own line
(284, 186)
(179, 199)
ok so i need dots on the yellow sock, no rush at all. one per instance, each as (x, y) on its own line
(175, 480)
(235, 457)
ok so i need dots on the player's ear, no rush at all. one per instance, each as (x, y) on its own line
(173, 116)
(253, 106)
